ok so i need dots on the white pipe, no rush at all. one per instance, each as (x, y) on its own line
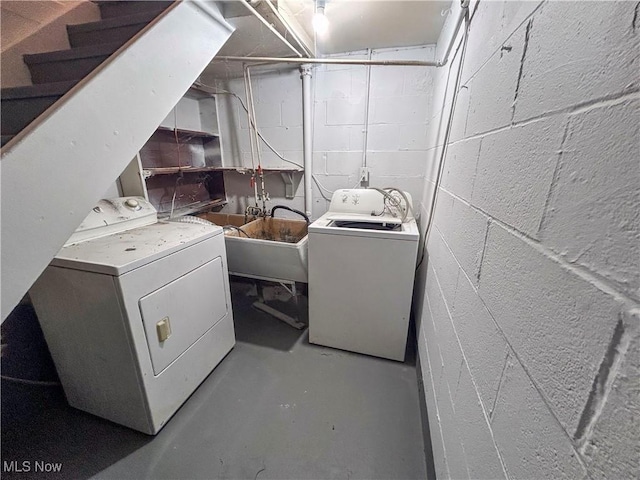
(464, 6)
(307, 136)
(334, 61)
(447, 132)
(263, 193)
(249, 120)
(252, 108)
(251, 125)
(366, 114)
(295, 36)
(270, 27)
(347, 61)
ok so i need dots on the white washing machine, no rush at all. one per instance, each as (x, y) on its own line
(362, 260)
(136, 312)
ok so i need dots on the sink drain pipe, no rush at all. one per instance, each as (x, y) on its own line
(307, 136)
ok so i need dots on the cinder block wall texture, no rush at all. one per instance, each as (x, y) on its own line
(528, 299)
(399, 109)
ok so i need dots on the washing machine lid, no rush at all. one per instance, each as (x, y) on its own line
(329, 224)
(384, 219)
(122, 252)
(366, 205)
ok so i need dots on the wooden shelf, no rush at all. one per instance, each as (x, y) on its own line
(150, 172)
(265, 169)
(189, 133)
(174, 169)
(193, 208)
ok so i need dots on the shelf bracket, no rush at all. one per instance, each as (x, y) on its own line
(290, 184)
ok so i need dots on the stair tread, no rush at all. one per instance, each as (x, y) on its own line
(34, 91)
(72, 53)
(143, 17)
(120, 8)
(111, 2)
(149, 4)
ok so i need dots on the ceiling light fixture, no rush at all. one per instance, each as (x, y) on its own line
(320, 21)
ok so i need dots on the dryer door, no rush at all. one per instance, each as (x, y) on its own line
(176, 315)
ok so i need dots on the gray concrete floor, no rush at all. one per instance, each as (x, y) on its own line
(276, 407)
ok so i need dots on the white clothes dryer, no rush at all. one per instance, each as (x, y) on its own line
(136, 312)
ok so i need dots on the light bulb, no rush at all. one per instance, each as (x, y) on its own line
(320, 22)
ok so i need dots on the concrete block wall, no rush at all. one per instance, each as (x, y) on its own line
(278, 105)
(398, 117)
(528, 300)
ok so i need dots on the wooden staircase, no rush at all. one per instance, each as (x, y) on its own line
(54, 73)
(69, 136)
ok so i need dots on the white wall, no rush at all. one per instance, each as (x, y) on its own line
(398, 123)
(528, 302)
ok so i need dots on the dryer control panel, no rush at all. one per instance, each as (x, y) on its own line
(114, 215)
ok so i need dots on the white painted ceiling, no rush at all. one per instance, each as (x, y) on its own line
(360, 24)
(353, 25)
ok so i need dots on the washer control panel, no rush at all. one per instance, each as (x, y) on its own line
(356, 200)
(367, 205)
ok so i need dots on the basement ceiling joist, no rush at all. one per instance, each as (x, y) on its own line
(354, 25)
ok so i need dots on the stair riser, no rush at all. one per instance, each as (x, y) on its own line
(64, 70)
(119, 9)
(101, 36)
(17, 114)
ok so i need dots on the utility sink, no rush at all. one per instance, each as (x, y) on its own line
(267, 248)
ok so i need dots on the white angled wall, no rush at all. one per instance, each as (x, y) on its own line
(528, 298)
(88, 160)
(399, 105)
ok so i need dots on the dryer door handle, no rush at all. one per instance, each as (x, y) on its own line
(163, 328)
